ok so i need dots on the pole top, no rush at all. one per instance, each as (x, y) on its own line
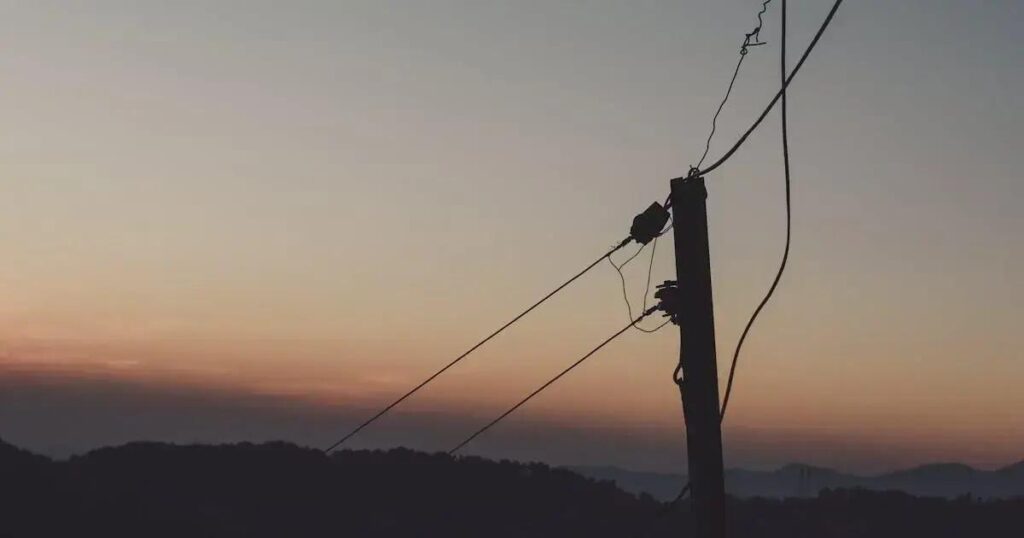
(688, 187)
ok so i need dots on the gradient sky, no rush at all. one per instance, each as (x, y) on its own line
(313, 205)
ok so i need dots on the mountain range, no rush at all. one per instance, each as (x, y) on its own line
(948, 480)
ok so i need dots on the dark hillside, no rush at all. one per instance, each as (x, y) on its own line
(278, 489)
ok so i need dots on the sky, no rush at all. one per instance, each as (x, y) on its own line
(257, 220)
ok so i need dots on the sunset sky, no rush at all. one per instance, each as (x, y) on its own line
(254, 220)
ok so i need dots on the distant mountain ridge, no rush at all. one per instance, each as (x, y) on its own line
(948, 480)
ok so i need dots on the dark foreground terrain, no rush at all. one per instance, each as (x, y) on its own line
(277, 489)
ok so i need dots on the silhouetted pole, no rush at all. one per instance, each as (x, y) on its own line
(698, 384)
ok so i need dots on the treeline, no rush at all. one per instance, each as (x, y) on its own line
(281, 490)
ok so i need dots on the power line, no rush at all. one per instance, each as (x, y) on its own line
(551, 381)
(789, 225)
(778, 95)
(650, 269)
(622, 277)
(647, 288)
(756, 35)
(628, 260)
(714, 119)
(382, 412)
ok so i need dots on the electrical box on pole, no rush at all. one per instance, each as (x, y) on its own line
(697, 375)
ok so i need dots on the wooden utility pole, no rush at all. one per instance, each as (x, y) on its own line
(698, 382)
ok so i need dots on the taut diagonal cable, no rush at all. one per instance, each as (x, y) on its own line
(551, 381)
(455, 361)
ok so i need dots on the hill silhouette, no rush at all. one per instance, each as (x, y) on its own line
(948, 480)
(279, 489)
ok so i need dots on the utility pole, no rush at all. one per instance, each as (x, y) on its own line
(698, 382)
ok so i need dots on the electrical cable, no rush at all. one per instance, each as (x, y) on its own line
(789, 227)
(756, 34)
(778, 95)
(627, 261)
(382, 412)
(551, 381)
(647, 289)
(650, 269)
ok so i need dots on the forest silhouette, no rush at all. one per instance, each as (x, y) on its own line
(279, 489)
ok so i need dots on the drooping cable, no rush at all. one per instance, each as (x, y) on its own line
(778, 95)
(647, 287)
(650, 269)
(455, 361)
(551, 381)
(755, 34)
(789, 226)
(619, 266)
(622, 277)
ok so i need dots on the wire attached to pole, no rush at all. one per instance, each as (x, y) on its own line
(647, 288)
(390, 406)
(551, 381)
(785, 84)
(754, 34)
